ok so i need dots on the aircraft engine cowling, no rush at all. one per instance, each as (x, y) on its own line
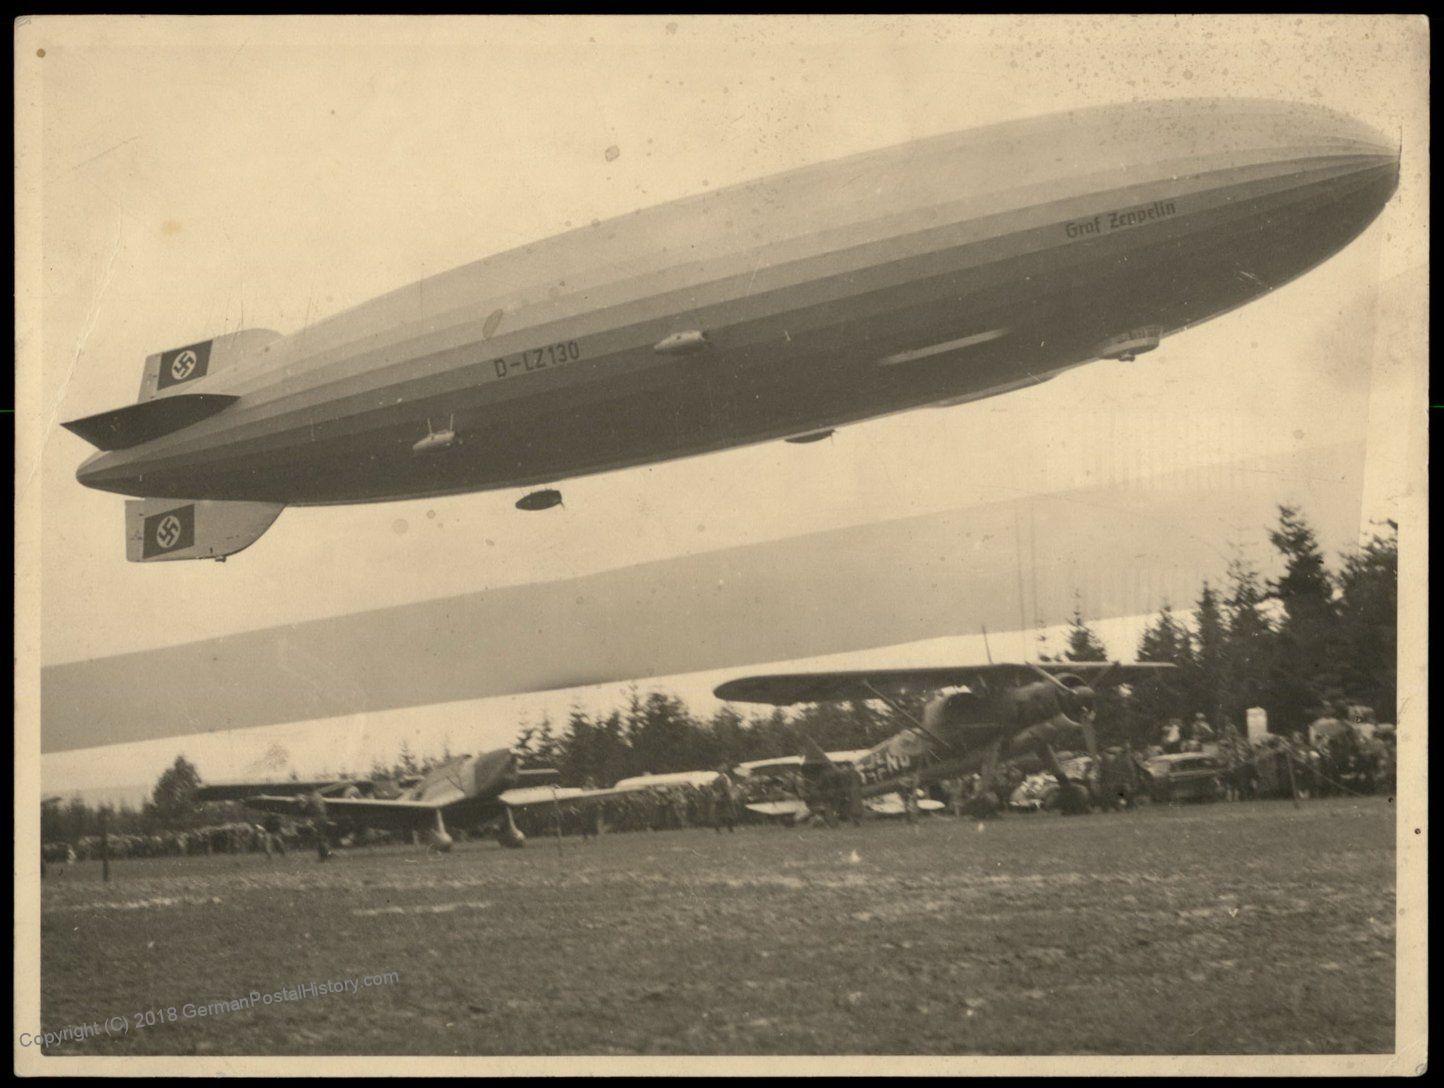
(314, 805)
(1039, 702)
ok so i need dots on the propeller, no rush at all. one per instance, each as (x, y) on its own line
(1090, 738)
(1078, 691)
(1081, 693)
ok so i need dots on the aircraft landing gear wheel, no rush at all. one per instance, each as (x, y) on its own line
(1073, 800)
(985, 805)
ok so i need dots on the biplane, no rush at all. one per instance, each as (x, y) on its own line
(975, 717)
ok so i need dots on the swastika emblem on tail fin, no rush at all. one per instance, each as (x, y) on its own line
(183, 364)
(168, 532)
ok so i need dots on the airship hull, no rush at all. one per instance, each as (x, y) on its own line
(942, 271)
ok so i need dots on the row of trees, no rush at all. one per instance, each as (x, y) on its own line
(171, 807)
(657, 733)
(1293, 645)
(1298, 645)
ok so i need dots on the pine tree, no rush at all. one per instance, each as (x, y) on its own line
(612, 753)
(1111, 713)
(1368, 608)
(52, 822)
(1157, 699)
(660, 732)
(1083, 643)
(1208, 664)
(173, 804)
(731, 736)
(1166, 640)
(1305, 671)
(1249, 642)
(545, 745)
(77, 822)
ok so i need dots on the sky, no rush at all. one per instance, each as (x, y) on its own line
(196, 177)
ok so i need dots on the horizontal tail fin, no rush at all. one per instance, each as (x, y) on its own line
(158, 530)
(122, 428)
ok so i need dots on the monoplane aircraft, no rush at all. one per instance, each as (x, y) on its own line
(468, 791)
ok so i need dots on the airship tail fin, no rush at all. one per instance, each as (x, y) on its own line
(121, 428)
(174, 391)
(179, 370)
(158, 530)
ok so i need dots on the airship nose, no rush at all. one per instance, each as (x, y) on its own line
(1372, 174)
(1360, 149)
(1373, 151)
(1344, 171)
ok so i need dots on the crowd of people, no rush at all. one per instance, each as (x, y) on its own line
(273, 836)
(1341, 753)
(228, 838)
(1343, 763)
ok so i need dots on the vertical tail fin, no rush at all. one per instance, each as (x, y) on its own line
(158, 530)
(813, 755)
(178, 368)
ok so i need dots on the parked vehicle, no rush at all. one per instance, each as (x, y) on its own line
(1185, 776)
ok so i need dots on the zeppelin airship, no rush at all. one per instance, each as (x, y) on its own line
(932, 273)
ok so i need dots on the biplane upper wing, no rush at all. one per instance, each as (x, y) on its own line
(1108, 673)
(785, 689)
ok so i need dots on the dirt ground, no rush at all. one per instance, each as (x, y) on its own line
(1206, 929)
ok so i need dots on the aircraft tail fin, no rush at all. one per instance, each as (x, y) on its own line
(157, 530)
(813, 755)
(168, 373)
(169, 400)
(121, 428)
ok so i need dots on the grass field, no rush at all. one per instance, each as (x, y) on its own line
(1246, 928)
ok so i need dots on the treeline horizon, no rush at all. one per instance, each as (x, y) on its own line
(1303, 645)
